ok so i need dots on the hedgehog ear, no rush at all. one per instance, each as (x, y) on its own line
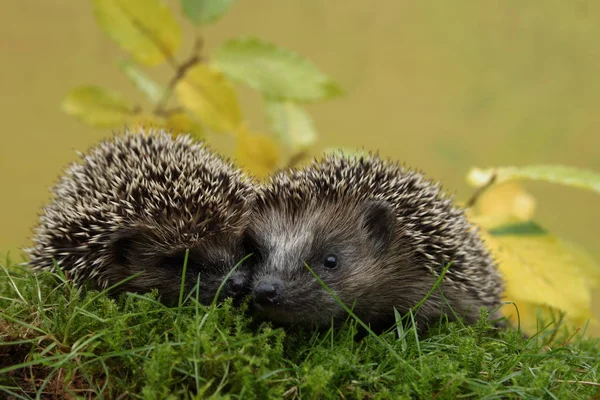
(379, 220)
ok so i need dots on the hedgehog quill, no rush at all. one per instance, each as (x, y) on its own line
(134, 205)
(377, 234)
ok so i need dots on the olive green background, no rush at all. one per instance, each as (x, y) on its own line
(440, 85)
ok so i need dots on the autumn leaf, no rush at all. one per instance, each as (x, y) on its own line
(507, 202)
(211, 97)
(145, 28)
(542, 273)
(257, 153)
(98, 107)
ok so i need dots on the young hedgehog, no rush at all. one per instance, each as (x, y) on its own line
(377, 234)
(134, 205)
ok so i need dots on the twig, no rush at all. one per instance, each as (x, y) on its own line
(180, 72)
(480, 191)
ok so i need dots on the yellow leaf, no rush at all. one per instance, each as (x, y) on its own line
(506, 202)
(98, 107)
(144, 28)
(542, 273)
(182, 123)
(257, 153)
(209, 95)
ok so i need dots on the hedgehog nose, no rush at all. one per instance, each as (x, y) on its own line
(267, 291)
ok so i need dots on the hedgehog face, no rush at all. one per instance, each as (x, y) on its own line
(158, 263)
(341, 242)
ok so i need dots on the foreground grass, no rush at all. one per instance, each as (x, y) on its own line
(57, 342)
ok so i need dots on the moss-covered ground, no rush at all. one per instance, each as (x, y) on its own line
(57, 341)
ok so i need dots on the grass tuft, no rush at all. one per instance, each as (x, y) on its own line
(59, 341)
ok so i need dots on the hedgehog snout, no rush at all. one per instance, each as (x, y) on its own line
(268, 291)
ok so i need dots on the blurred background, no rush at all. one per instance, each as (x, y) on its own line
(443, 87)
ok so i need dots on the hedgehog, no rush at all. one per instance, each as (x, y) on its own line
(126, 215)
(378, 234)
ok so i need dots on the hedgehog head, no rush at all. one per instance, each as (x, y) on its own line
(135, 205)
(341, 243)
(157, 258)
(377, 235)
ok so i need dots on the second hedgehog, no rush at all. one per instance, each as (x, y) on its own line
(377, 234)
(134, 205)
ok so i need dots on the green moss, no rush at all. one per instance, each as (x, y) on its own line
(59, 340)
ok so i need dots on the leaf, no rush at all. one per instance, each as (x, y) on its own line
(292, 124)
(145, 28)
(98, 107)
(182, 123)
(205, 11)
(152, 90)
(506, 202)
(561, 174)
(209, 95)
(543, 273)
(257, 153)
(276, 72)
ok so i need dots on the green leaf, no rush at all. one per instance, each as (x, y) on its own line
(210, 96)
(527, 228)
(564, 175)
(98, 107)
(205, 11)
(144, 28)
(152, 90)
(276, 72)
(292, 124)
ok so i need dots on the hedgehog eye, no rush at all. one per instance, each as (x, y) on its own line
(331, 261)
